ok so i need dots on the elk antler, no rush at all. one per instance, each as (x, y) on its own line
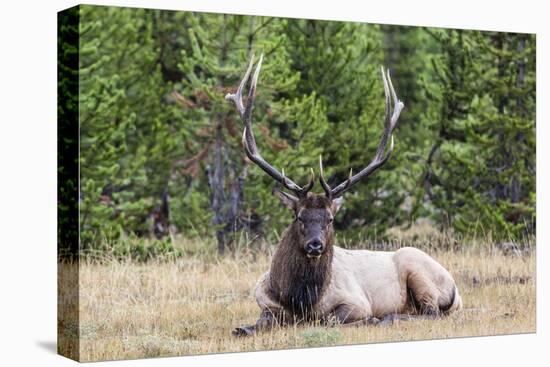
(390, 121)
(249, 142)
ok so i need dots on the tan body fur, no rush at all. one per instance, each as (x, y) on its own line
(366, 284)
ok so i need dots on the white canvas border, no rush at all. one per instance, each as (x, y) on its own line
(28, 185)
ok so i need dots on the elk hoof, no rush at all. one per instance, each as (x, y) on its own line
(387, 321)
(373, 321)
(243, 331)
(391, 319)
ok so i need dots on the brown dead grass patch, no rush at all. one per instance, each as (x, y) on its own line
(190, 305)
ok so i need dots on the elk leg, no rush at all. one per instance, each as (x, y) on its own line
(390, 319)
(333, 322)
(423, 294)
(387, 320)
(269, 318)
(244, 330)
(432, 290)
(348, 315)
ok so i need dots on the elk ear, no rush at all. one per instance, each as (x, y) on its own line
(290, 201)
(336, 204)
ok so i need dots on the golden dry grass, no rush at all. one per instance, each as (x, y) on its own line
(189, 306)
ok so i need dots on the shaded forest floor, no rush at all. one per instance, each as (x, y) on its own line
(190, 305)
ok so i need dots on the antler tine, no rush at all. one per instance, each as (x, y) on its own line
(398, 105)
(325, 185)
(322, 181)
(248, 140)
(390, 121)
(237, 97)
(252, 95)
(311, 182)
(388, 128)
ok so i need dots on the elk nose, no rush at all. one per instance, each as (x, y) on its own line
(314, 248)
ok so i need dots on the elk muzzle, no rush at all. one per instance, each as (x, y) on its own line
(314, 248)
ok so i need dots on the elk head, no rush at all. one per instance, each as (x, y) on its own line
(313, 213)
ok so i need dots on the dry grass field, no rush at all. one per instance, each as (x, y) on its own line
(190, 305)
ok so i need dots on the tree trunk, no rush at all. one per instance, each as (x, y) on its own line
(217, 183)
(236, 199)
(515, 186)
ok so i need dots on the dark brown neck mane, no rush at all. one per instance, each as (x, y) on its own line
(296, 281)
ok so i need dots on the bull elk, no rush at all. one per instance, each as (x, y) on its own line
(312, 279)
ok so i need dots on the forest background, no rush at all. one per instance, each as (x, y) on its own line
(161, 163)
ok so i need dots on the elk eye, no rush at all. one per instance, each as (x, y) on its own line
(330, 220)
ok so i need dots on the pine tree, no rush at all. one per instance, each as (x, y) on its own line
(480, 170)
(220, 49)
(124, 134)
